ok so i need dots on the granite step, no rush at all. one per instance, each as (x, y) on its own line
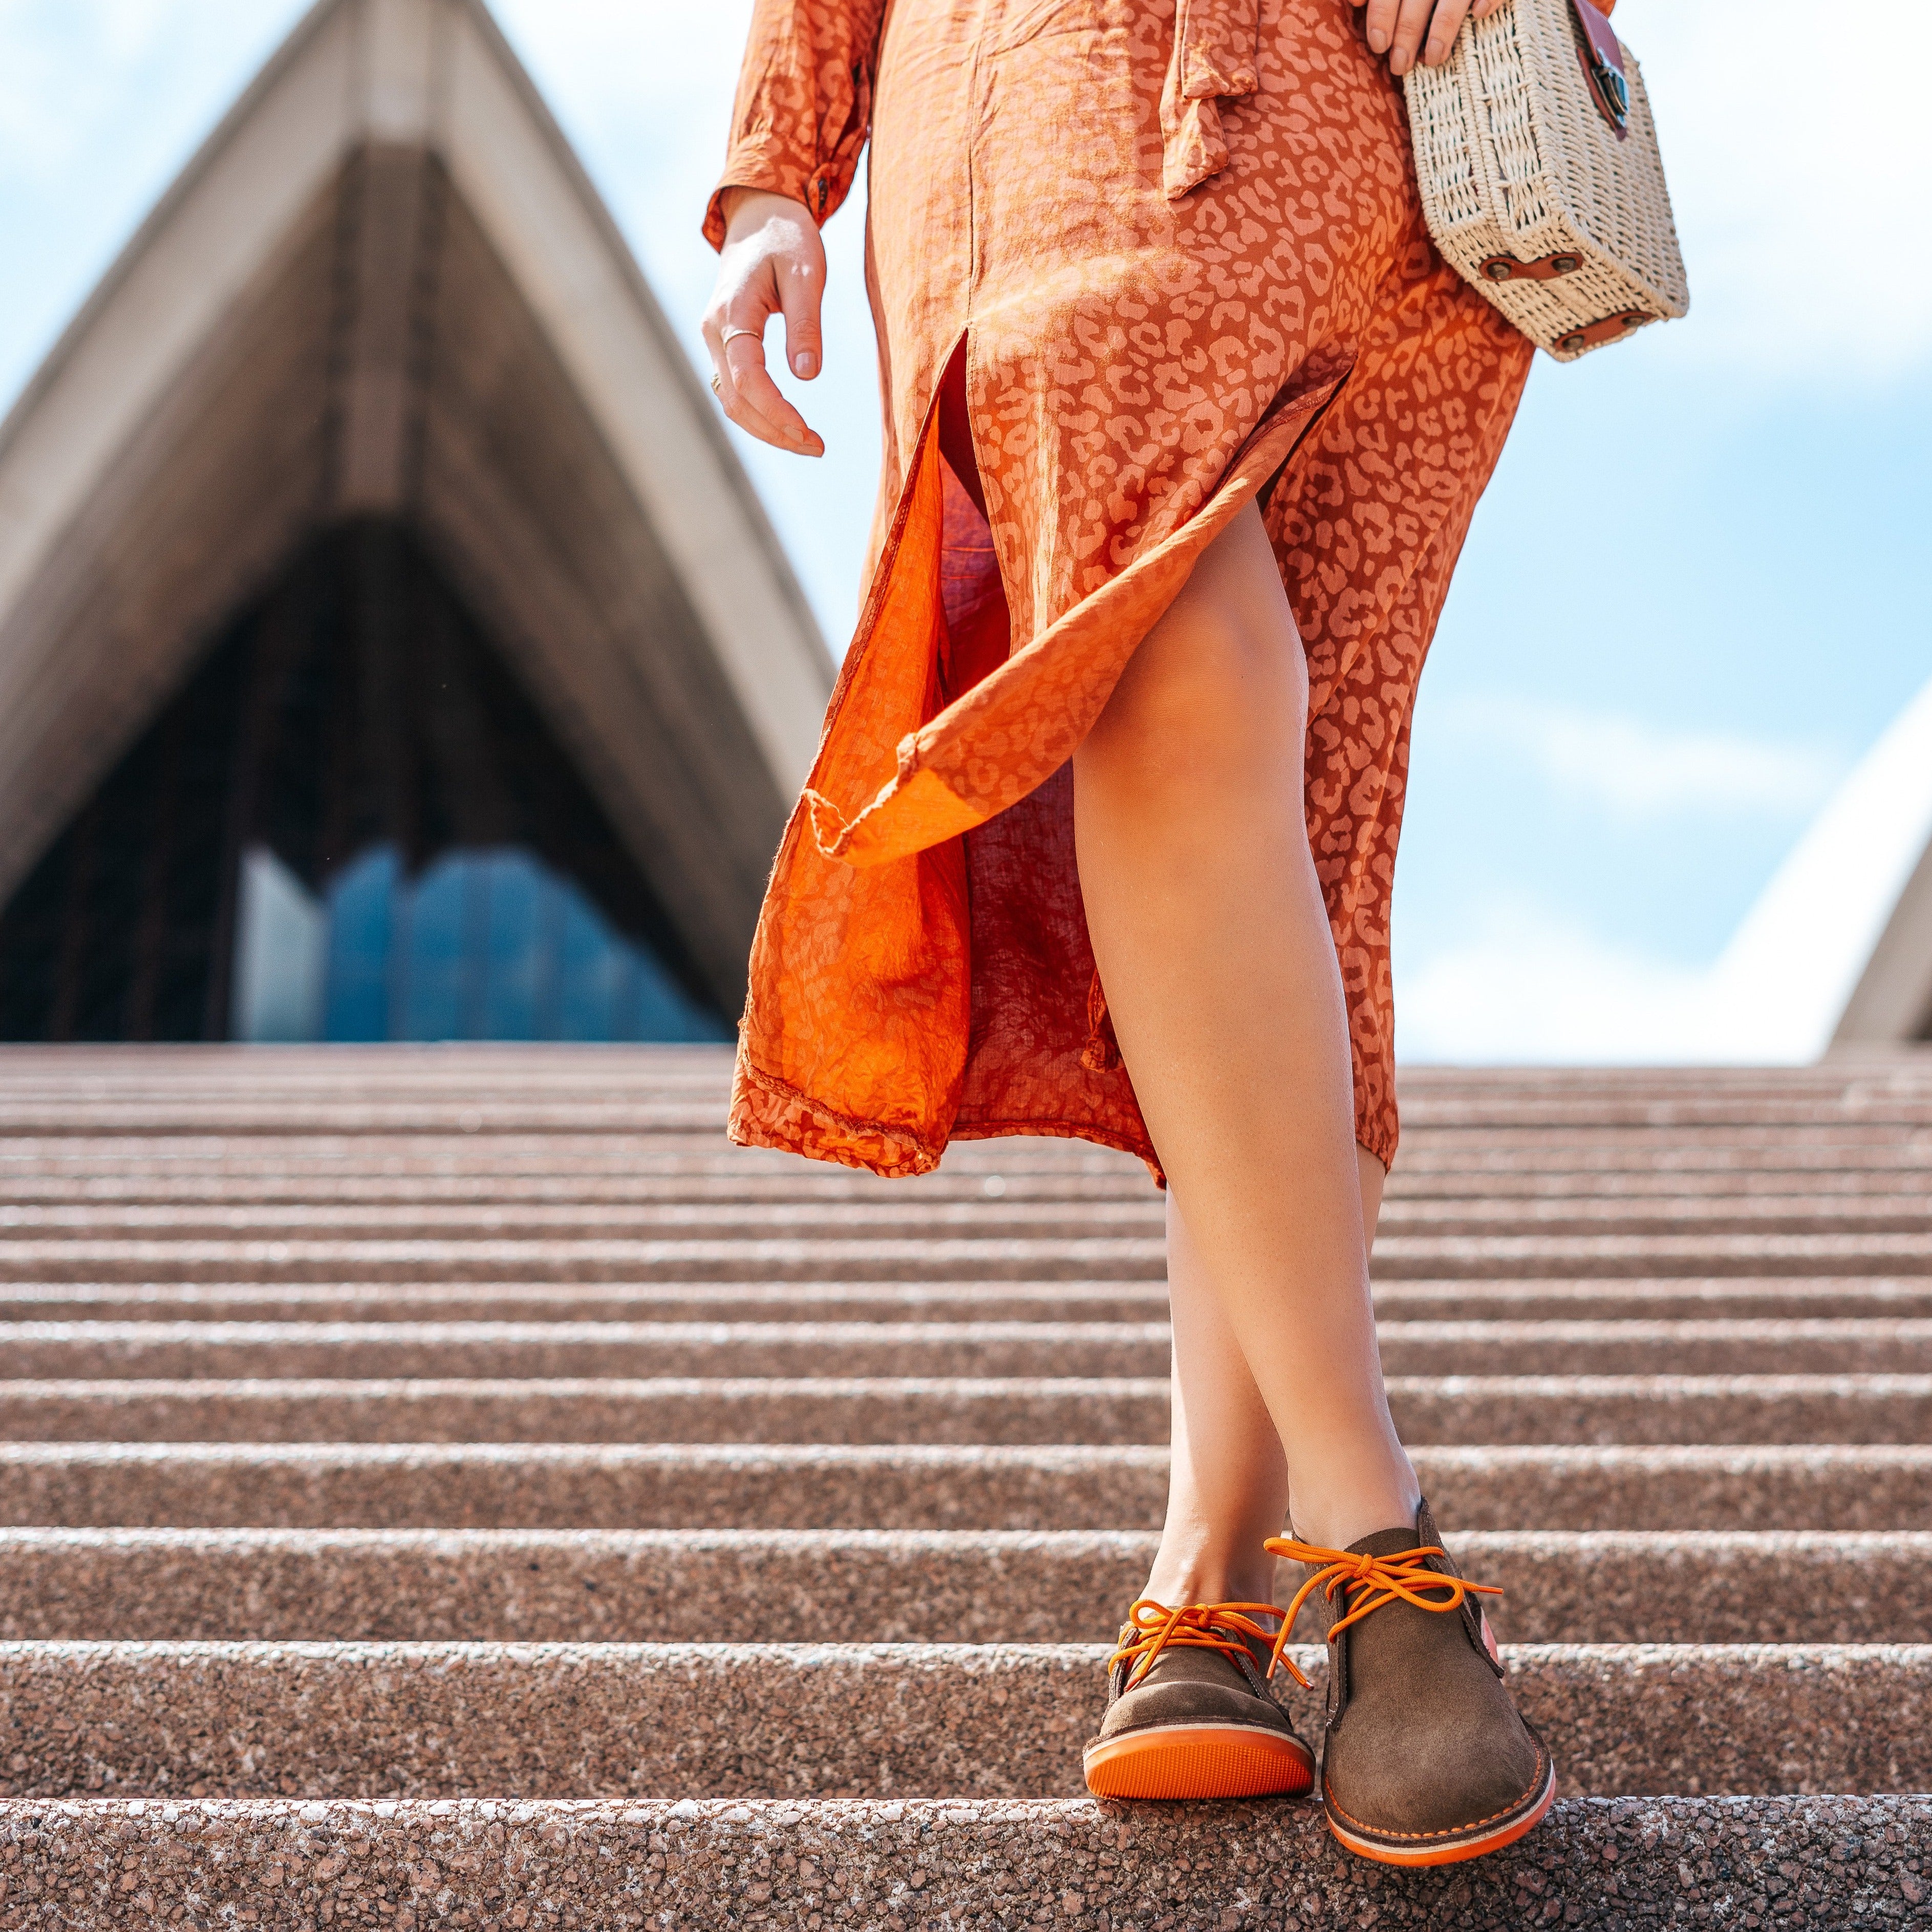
(484, 1350)
(829, 1720)
(541, 1175)
(1738, 1298)
(1503, 1409)
(558, 1185)
(1430, 1105)
(375, 1167)
(1717, 1299)
(696, 1105)
(562, 1186)
(697, 1301)
(96, 1350)
(102, 1067)
(953, 1258)
(1402, 1257)
(258, 1111)
(1567, 1234)
(1658, 1409)
(1827, 1176)
(985, 1586)
(903, 1215)
(796, 1865)
(1904, 1209)
(79, 1076)
(788, 1486)
(693, 1103)
(914, 1213)
(559, 1171)
(1480, 1110)
(1486, 1131)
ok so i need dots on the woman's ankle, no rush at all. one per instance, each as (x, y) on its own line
(1245, 1578)
(1333, 1521)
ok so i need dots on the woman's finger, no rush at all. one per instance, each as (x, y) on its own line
(717, 327)
(756, 402)
(1411, 23)
(1444, 25)
(712, 329)
(801, 290)
(1379, 24)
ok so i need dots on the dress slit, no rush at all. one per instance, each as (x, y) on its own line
(1092, 360)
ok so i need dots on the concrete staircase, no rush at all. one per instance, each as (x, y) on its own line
(453, 1487)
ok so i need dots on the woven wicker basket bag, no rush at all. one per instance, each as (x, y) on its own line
(1540, 178)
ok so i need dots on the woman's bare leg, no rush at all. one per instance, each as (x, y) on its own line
(1214, 947)
(1227, 1485)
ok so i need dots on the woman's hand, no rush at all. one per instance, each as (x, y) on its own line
(1397, 27)
(772, 262)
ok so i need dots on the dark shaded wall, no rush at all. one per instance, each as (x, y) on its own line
(356, 702)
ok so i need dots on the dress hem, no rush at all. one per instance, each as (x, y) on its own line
(769, 1112)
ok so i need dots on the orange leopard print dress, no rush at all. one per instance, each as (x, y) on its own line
(1163, 260)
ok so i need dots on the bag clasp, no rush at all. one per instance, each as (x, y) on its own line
(1602, 54)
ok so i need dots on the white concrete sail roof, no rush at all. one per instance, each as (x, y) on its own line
(384, 286)
(1837, 951)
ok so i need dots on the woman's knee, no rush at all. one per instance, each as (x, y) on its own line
(1223, 674)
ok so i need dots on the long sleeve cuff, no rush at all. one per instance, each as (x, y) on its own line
(822, 190)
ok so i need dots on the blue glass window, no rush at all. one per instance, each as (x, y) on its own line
(487, 944)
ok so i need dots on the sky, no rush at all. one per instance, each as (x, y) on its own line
(1696, 593)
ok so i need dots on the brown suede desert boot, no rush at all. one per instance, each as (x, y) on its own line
(1189, 1711)
(1425, 1760)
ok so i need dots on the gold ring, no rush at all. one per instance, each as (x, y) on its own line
(715, 389)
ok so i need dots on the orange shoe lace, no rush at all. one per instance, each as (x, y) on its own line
(1151, 1626)
(1368, 1582)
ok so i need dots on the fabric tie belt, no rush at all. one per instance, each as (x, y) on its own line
(1216, 43)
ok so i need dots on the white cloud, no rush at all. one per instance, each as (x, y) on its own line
(1524, 983)
(1529, 986)
(1799, 148)
(1640, 770)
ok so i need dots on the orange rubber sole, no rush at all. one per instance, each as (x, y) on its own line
(1198, 1761)
(1463, 1848)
